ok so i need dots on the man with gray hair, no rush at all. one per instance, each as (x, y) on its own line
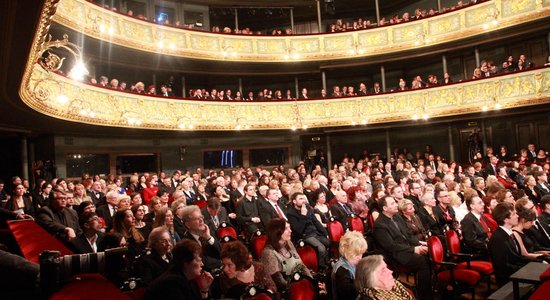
(199, 232)
(108, 210)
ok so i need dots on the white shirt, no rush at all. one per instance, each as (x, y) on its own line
(278, 208)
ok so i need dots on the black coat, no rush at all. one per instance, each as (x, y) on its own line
(475, 236)
(172, 285)
(397, 243)
(506, 259)
(150, 267)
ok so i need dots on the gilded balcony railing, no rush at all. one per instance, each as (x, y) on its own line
(119, 29)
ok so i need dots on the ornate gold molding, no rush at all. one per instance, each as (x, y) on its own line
(63, 98)
(119, 29)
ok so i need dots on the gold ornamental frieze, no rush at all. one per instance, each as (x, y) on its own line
(117, 28)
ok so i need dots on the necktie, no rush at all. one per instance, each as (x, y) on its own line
(216, 221)
(346, 209)
(485, 226)
(279, 212)
(113, 211)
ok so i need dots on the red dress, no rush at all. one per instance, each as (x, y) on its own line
(148, 193)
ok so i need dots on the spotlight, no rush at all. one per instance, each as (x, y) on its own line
(78, 71)
(62, 99)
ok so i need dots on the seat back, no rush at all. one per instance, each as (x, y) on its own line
(435, 249)
(356, 224)
(335, 230)
(302, 289)
(200, 203)
(308, 256)
(258, 244)
(33, 239)
(453, 241)
(226, 232)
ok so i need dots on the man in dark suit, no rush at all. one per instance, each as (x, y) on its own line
(214, 214)
(91, 234)
(58, 220)
(540, 231)
(415, 191)
(491, 168)
(271, 208)
(503, 247)
(341, 211)
(42, 198)
(475, 229)
(238, 193)
(248, 215)
(97, 196)
(542, 188)
(392, 236)
(199, 232)
(305, 226)
(531, 152)
(108, 210)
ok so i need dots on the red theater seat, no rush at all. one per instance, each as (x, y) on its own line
(89, 286)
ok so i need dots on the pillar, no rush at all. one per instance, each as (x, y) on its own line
(383, 77)
(319, 16)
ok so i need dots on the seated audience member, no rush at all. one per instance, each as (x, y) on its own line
(341, 210)
(544, 204)
(530, 189)
(154, 207)
(542, 187)
(503, 247)
(165, 218)
(444, 212)
(406, 208)
(427, 216)
(214, 214)
(157, 260)
(91, 234)
(19, 202)
(248, 215)
(124, 234)
(321, 210)
(239, 271)
(185, 278)
(305, 226)
(200, 233)
(107, 211)
(139, 214)
(392, 236)
(177, 210)
(352, 247)
(504, 179)
(374, 281)
(279, 255)
(58, 220)
(96, 194)
(271, 207)
(528, 247)
(475, 229)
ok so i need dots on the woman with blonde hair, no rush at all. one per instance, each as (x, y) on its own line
(165, 218)
(352, 247)
(80, 194)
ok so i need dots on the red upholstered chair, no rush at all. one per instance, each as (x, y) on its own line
(335, 233)
(308, 256)
(466, 261)
(90, 287)
(449, 278)
(301, 288)
(257, 242)
(226, 233)
(200, 203)
(356, 224)
(542, 292)
(545, 276)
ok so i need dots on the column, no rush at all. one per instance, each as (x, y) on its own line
(383, 77)
(24, 158)
(324, 80)
(154, 80)
(183, 88)
(439, 5)
(548, 37)
(388, 145)
(483, 137)
(377, 8)
(292, 19)
(451, 145)
(236, 19)
(31, 156)
(296, 87)
(319, 16)
(444, 62)
(478, 61)
(241, 86)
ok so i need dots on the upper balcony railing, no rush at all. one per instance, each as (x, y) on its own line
(61, 97)
(471, 21)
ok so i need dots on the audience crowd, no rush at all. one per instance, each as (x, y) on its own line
(488, 68)
(172, 224)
